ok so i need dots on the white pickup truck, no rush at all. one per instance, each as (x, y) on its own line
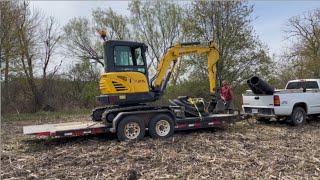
(300, 99)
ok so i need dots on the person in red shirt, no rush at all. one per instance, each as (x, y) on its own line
(227, 96)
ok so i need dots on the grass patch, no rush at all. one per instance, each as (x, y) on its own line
(42, 115)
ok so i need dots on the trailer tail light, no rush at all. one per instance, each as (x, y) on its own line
(214, 123)
(43, 134)
(77, 133)
(276, 100)
(96, 131)
(181, 126)
(197, 125)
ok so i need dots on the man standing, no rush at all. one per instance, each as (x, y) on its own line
(227, 96)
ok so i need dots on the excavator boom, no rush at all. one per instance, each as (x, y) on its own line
(183, 49)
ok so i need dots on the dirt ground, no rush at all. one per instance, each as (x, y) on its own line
(240, 151)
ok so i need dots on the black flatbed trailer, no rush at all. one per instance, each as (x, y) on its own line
(91, 127)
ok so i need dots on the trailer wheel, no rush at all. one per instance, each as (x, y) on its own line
(161, 126)
(298, 116)
(131, 128)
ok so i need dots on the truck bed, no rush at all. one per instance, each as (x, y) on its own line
(285, 91)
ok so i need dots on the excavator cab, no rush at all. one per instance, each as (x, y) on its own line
(125, 81)
(125, 56)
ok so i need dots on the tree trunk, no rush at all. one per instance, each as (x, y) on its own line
(6, 78)
(37, 97)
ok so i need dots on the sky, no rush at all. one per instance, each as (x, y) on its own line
(270, 22)
(272, 17)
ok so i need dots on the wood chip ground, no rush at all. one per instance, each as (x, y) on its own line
(241, 151)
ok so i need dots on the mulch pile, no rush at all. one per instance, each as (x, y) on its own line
(240, 151)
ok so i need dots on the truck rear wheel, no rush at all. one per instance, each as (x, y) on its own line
(298, 116)
(161, 126)
(131, 128)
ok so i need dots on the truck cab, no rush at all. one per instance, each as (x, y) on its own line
(303, 84)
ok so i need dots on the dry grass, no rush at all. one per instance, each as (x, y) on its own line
(241, 151)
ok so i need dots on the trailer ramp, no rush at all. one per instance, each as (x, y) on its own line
(66, 129)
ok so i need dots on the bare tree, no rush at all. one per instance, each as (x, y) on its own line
(33, 40)
(50, 39)
(304, 53)
(81, 40)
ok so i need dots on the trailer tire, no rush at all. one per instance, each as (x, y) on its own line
(131, 128)
(298, 116)
(161, 126)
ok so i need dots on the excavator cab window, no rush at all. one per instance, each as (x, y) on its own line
(121, 56)
(128, 59)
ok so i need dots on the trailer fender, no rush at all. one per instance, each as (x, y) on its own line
(121, 115)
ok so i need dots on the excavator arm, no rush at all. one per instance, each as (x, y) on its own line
(166, 68)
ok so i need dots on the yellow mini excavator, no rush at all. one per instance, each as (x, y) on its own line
(125, 86)
(125, 90)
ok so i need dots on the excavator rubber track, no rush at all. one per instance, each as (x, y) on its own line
(96, 114)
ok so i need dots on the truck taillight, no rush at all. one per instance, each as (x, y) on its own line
(276, 100)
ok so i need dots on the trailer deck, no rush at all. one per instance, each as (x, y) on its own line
(212, 120)
(90, 127)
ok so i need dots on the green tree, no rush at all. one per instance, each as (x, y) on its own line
(84, 71)
(9, 11)
(85, 77)
(116, 25)
(157, 24)
(81, 37)
(228, 23)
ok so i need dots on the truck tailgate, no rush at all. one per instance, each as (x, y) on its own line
(258, 100)
(258, 105)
